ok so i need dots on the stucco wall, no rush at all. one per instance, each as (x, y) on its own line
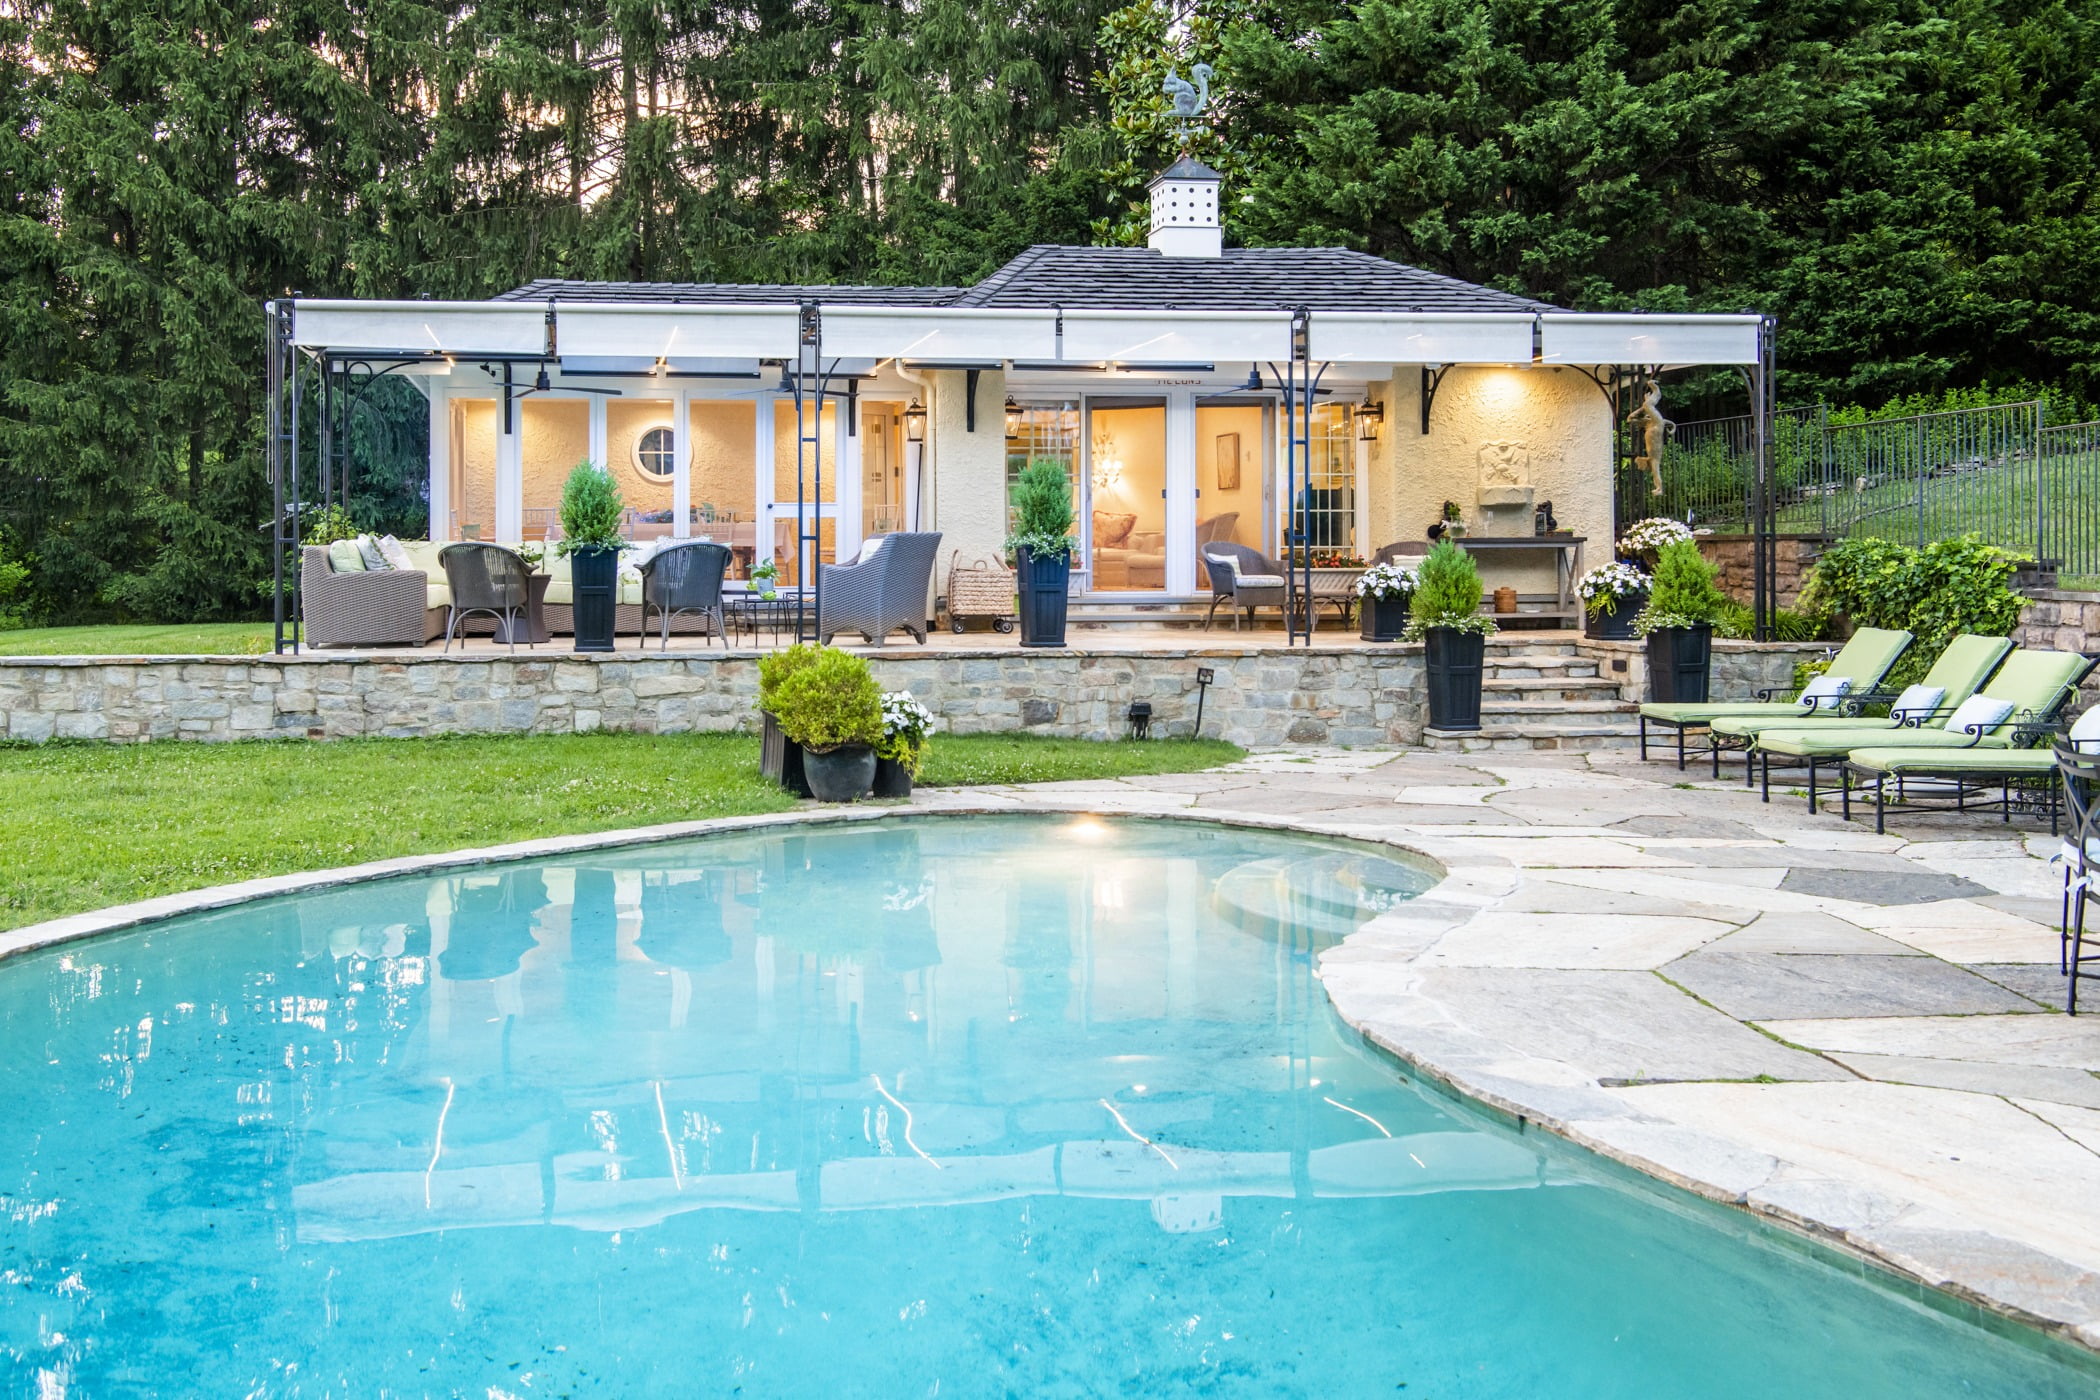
(968, 498)
(1553, 417)
(553, 436)
(473, 467)
(626, 420)
(724, 448)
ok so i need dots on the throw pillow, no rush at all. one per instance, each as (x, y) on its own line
(396, 553)
(1111, 529)
(1917, 703)
(1979, 714)
(1825, 692)
(375, 559)
(345, 557)
(870, 549)
(2085, 731)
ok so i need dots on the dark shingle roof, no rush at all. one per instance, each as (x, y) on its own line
(1241, 279)
(1132, 279)
(1187, 168)
(718, 293)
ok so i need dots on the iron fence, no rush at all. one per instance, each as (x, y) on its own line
(1999, 472)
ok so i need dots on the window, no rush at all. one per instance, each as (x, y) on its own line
(1329, 482)
(653, 454)
(1043, 430)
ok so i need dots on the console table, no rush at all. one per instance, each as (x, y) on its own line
(1564, 602)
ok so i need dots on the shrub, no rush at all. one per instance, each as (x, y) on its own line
(1042, 511)
(777, 667)
(1786, 625)
(1935, 593)
(591, 510)
(1683, 593)
(329, 524)
(829, 701)
(1447, 593)
(14, 587)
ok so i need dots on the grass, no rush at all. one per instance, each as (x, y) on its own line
(90, 825)
(191, 639)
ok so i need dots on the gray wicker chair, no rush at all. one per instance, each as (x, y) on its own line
(879, 595)
(487, 579)
(1244, 578)
(684, 578)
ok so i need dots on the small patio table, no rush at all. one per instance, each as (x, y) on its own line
(532, 625)
(747, 612)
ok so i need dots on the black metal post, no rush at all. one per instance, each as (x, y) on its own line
(277, 339)
(809, 468)
(297, 513)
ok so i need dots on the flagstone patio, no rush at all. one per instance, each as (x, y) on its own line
(1859, 1036)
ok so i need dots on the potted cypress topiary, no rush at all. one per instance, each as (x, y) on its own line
(1684, 602)
(831, 707)
(1445, 614)
(591, 511)
(1041, 545)
(779, 757)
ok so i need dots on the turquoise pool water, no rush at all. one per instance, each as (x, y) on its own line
(950, 1107)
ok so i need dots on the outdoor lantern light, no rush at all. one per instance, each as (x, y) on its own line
(1204, 676)
(915, 422)
(1013, 419)
(1368, 417)
(1140, 719)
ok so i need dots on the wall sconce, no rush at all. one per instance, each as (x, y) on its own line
(1368, 418)
(1014, 419)
(915, 422)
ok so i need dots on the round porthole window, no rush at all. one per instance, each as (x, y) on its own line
(653, 454)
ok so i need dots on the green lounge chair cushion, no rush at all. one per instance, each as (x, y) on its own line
(1866, 658)
(1967, 661)
(1895, 762)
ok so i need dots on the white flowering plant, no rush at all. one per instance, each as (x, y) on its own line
(1644, 539)
(906, 727)
(1388, 583)
(1611, 583)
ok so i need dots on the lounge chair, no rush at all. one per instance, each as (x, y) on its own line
(1963, 667)
(1244, 578)
(885, 589)
(1859, 667)
(2037, 683)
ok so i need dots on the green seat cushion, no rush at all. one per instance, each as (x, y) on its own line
(345, 557)
(2016, 762)
(1817, 741)
(1707, 711)
(1865, 658)
(1755, 726)
(2036, 682)
(1922, 739)
(1964, 666)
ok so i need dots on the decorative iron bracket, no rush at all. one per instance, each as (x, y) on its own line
(1432, 380)
(970, 400)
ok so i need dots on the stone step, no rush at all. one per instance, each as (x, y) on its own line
(1525, 738)
(1538, 668)
(1570, 687)
(1547, 710)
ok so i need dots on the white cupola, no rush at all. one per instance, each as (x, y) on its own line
(1185, 211)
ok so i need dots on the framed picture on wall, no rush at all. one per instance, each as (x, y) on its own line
(1228, 461)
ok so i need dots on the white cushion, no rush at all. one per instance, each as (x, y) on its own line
(870, 548)
(1260, 580)
(1825, 692)
(375, 561)
(1979, 714)
(2085, 731)
(1917, 702)
(395, 553)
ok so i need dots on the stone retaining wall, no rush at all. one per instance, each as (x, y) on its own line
(1733, 559)
(1740, 669)
(2060, 620)
(1264, 697)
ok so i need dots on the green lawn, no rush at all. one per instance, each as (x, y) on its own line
(192, 639)
(90, 825)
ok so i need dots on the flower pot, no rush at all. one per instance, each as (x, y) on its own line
(594, 580)
(1455, 662)
(1614, 622)
(780, 758)
(1678, 662)
(1384, 619)
(892, 778)
(843, 774)
(1043, 585)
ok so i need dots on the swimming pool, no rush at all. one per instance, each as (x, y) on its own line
(944, 1106)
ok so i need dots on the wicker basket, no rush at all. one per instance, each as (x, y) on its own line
(980, 589)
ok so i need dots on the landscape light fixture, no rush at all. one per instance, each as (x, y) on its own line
(1204, 676)
(915, 422)
(1140, 717)
(1368, 417)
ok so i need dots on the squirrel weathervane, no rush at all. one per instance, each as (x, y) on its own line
(1189, 98)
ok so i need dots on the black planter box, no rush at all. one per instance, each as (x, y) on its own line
(1679, 660)
(1043, 585)
(1384, 619)
(1456, 661)
(594, 582)
(1615, 622)
(892, 778)
(780, 758)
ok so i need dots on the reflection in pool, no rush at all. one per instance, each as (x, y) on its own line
(958, 1106)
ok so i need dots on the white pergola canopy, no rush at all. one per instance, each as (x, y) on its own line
(583, 336)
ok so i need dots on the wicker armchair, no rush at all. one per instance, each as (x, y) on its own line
(876, 596)
(382, 608)
(1244, 578)
(488, 579)
(684, 578)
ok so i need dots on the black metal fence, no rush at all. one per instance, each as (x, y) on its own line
(1997, 472)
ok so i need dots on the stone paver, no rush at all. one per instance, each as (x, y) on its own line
(1758, 986)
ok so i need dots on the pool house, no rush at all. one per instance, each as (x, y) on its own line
(1193, 392)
